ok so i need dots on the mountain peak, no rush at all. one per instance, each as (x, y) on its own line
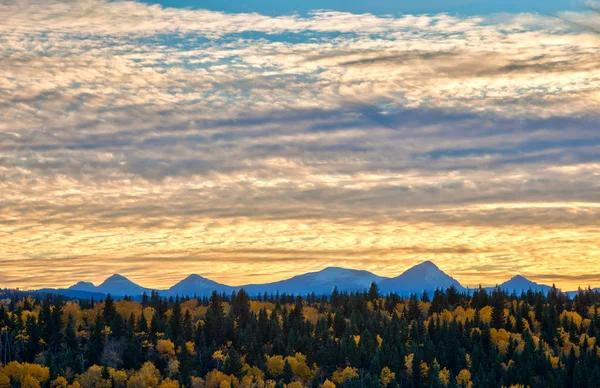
(520, 283)
(519, 277)
(337, 271)
(425, 276)
(427, 264)
(426, 268)
(84, 283)
(195, 284)
(334, 268)
(83, 286)
(193, 277)
(117, 277)
(117, 284)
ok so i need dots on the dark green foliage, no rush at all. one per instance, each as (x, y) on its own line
(367, 331)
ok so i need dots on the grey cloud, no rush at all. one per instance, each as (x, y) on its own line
(110, 142)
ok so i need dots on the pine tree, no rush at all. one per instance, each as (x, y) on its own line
(497, 310)
(109, 311)
(175, 325)
(241, 308)
(233, 364)
(373, 292)
(287, 375)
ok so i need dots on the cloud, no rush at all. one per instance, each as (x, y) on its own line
(152, 141)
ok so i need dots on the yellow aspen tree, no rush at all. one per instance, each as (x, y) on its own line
(340, 376)
(463, 379)
(59, 382)
(166, 348)
(168, 383)
(328, 384)
(196, 382)
(275, 365)
(444, 376)
(386, 377)
(408, 361)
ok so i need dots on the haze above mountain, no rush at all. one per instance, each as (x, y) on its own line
(422, 277)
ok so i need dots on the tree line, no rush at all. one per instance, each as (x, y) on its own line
(354, 340)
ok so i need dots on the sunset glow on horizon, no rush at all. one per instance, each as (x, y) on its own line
(156, 141)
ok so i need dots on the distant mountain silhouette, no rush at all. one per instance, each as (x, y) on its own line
(422, 277)
(83, 286)
(320, 282)
(519, 284)
(116, 285)
(198, 285)
(73, 293)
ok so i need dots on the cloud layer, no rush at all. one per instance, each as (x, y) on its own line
(156, 142)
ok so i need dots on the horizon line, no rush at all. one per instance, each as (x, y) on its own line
(480, 285)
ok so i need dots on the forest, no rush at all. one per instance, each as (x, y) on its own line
(355, 340)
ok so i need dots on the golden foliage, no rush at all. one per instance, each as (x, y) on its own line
(27, 374)
(173, 367)
(26, 314)
(525, 324)
(591, 340)
(250, 381)
(168, 383)
(191, 349)
(299, 366)
(502, 339)
(147, 376)
(219, 356)
(486, 314)
(59, 382)
(424, 307)
(340, 376)
(424, 369)
(92, 378)
(4, 380)
(554, 361)
(311, 314)
(386, 377)
(408, 361)
(30, 382)
(196, 382)
(571, 316)
(462, 315)
(275, 365)
(195, 310)
(73, 309)
(118, 377)
(444, 376)
(166, 348)
(253, 372)
(127, 307)
(328, 384)
(464, 379)
(218, 379)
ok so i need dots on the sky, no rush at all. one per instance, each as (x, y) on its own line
(250, 141)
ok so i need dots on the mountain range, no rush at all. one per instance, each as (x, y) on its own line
(422, 277)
